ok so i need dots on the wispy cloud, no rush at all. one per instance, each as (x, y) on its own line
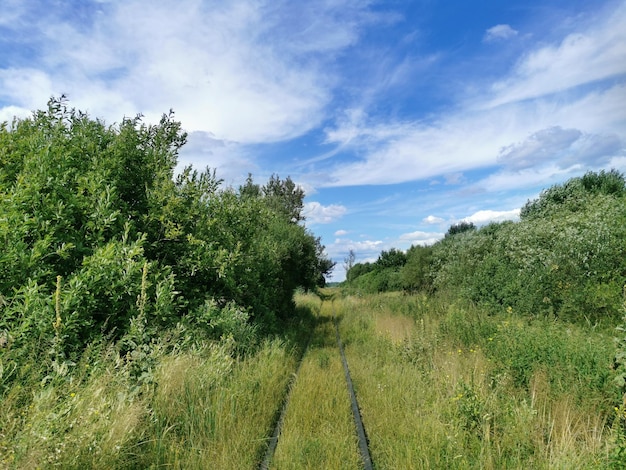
(246, 71)
(499, 32)
(517, 122)
(582, 57)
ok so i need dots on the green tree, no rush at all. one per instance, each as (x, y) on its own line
(460, 227)
(392, 258)
(285, 197)
(417, 272)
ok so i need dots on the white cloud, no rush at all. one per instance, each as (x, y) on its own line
(421, 238)
(341, 233)
(364, 246)
(583, 126)
(246, 71)
(9, 112)
(365, 251)
(27, 88)
(581, 57)
(431, 219)
(483, 217)
(316, 213)
(499, 32)
(229, 159)
(454, 178)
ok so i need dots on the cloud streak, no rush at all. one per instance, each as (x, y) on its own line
(539, 112)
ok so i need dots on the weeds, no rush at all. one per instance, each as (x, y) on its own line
(464, 389)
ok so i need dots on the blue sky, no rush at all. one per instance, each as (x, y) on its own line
(398, 118)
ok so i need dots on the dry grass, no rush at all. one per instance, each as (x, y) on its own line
(218, 411)
(205, 408)
(397, 328)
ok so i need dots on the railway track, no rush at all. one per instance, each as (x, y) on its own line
(322, 336)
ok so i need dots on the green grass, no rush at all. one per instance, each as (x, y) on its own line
(445, 386)
(318, 431)
(440, 385)
(198, 405)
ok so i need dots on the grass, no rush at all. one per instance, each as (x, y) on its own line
(318, 431)
(440, 385)
(444, 386)
(216, 411)
(197, 406)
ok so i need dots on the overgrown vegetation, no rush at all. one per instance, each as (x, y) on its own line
(114, 269)
(563, 259)
(442, 384)
(148, 320)
(550, 281)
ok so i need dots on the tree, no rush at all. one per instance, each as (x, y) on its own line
(348, 261)
(93, 215)
(417, 272)
(250, 189)
(460, 227)
(393, 258)
(285, 197)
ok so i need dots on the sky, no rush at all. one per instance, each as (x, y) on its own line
(398, 118)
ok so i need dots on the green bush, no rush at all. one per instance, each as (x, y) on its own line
(102, 240)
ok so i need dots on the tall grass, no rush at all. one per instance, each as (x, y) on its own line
(214, 411)
(197, 404)
(446, 386)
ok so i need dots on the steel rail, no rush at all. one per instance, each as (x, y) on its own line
(356, 413)
(271, 448)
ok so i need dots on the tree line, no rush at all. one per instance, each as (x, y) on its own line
(564, 257)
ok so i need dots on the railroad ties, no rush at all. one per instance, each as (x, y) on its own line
(366, 459)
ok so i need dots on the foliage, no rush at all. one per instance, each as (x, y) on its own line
(443, 384)
(416, 274)
(574, 193)
(103, 240)
(392, 258)
(380, 276)
(460, 227)
(359, 269)
(563, 259)
(619, 366)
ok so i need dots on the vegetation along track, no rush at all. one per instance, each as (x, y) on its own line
(320, 425)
